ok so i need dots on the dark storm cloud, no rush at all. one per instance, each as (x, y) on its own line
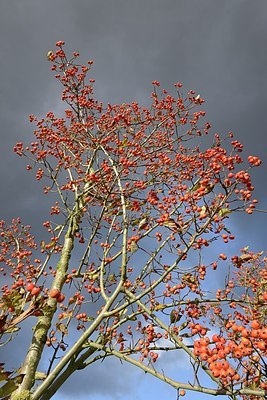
(216, 47)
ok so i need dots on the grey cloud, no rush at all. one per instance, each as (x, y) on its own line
(217, 48)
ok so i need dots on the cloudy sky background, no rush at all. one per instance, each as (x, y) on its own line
(218, 48)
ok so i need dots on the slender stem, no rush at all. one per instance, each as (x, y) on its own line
(71, 368)
(175, 338)
(173, 383)
(76, 347)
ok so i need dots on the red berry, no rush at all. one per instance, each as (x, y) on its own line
(30, 286)
(255, 324)
(54, 293)
(35, 291)
(60, 298)
(37, 313)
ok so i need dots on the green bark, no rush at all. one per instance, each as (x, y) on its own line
(43, 325)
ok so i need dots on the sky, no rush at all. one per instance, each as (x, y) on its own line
(217, 48)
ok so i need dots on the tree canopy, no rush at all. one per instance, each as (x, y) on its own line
(142, 200)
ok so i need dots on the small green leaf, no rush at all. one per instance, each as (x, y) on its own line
(175, 316)
(186, 335)
(170, 223)
(209, 188)
(66, 314)
(3, 319)
(124, 142)
(112, 278)
(133, 247)
(62, 328)
(203, 211)
(142, 223)
(4, 375)
(49, 55)
(223, 212)
(183, 326)
(159, 307)
(244, 258)
(10, 386)
(94, 275)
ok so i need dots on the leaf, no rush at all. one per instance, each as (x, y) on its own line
(195, 186)
(175, 226)
(112, 278)
(124, 142)
(223, 212)
(62, 328)
(188, 279)
(10, 386)
(203, 211)
(2, 321)
(142, 223)
(4, 375)
(94, 275)
(50, 244)
(209, 188)
(175, 316)
(49, 55)
(170, 223)
(244, 258)
(183, 326)
(159, 307)
(186, 335)
(133, 247)
(68, 314)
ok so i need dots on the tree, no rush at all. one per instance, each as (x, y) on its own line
(141, 194)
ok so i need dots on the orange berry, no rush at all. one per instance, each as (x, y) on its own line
(263, 333)
(35, 291)
(261, 345)
(255, 324)
(60, 298)
(54, 293)
(30, 286)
